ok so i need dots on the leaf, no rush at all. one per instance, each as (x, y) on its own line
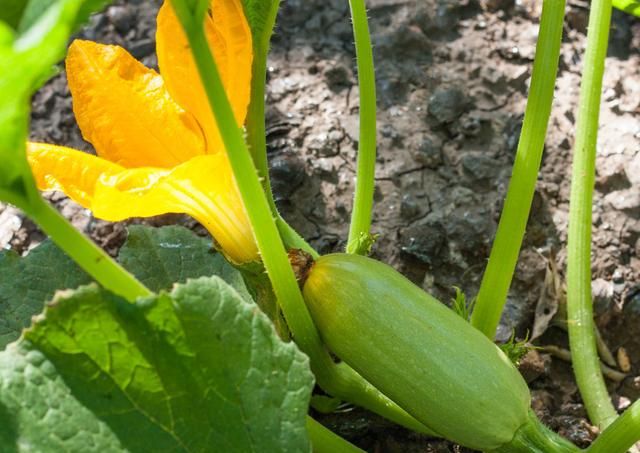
(460, 306)
(160, 257)
(29, 57)
(11, 12)
(32, 10)
(27, 282)
(628, 6)
(198, 370)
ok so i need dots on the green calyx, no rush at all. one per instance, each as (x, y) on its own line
(534, 437)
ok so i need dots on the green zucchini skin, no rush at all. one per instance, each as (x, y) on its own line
(417, 351)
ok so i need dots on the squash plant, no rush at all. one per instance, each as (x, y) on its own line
(175, 347)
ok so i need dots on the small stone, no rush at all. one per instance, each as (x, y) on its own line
(409, 207)
(612, 179)
(122, 17)
(447, 104)
(470, 228)
(325, 144)
(627, 200)
(533, 365)
(403, 42)
(479, 166)
(337, 77)
(142, 48)
(426, 150)
(287, 174)
(424, 241)
(470, 126)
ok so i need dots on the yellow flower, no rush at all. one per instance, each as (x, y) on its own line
(158, 146)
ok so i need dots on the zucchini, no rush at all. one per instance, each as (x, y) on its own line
(423, 356)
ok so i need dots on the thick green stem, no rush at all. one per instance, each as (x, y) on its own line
(533, 436)
(338, 380)
(586, 364)
(100, 266)
(325, 441)
(513, 221)
(621, 435)
(365, 176)
(256, 127)
(255, 123)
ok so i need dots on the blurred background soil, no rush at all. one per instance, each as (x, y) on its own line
(452, 77)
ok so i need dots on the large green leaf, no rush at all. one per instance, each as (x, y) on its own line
(26, 283)
(160, 257)
(199, 370)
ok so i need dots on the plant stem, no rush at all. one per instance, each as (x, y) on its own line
(533, 436)
(336, 379)
(292, 239)
(506, 247)
(256, 132)
(621, 435)
(255, 123)
(365, 176)
(586, 364)
(95, 261)
(325, 441)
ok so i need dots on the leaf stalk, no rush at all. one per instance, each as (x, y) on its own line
(582, 339)
(503, 258)
(365, 173)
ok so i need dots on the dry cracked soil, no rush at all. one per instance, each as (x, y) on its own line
(452, 78)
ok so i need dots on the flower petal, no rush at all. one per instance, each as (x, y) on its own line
(125, 110)
(202, 187)
(229, 38)
(68, 170)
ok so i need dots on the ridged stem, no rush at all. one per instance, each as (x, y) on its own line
(255, 122)
(497, 277)
(365, 174)
(621, 435)
(534, 437)
(95, 261)
(256, 128)
(586, 365)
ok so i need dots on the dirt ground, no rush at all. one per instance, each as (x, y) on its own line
(452, 77)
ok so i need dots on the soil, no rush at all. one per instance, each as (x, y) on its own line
(452, 78)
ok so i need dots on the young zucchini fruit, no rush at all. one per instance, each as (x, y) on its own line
(423, 356)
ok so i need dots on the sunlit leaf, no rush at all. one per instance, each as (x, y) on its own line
(27, 282)
(160, 257)
(199, 370)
